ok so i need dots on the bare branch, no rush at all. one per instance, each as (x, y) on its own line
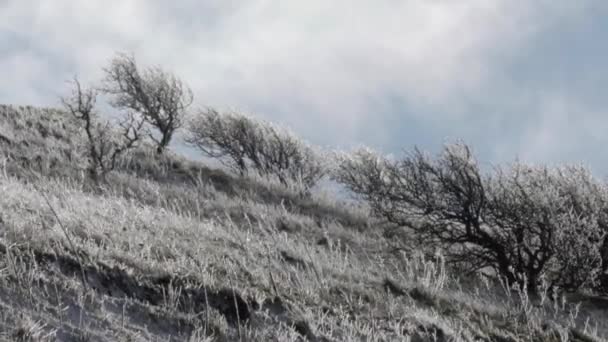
(243, 143)
(104, 145)
(525, 222)
(158, 96)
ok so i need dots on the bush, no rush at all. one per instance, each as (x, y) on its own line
(158, 96)
(245, 144)
(105, 144)
(524, 222)
(550, 220)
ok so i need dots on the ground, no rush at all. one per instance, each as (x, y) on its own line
(169, 249)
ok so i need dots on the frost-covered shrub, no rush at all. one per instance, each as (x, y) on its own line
(524, 222)
(549, 219)
(158, 96)
(105, 141)
(245, 144)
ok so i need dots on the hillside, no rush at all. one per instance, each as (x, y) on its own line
(171, 250)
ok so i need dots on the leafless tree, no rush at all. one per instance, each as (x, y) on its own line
(549, 219)
(525, 222)
(160, 97)
(104, 143)
(243, 143)
(365, 173)
(288, 158)
(224, 137)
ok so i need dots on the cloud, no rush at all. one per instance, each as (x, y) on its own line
(337, 72)
(562, 131)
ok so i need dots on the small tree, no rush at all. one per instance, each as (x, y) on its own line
(365, 173)
(243, 144)
(227, 137)
(548, 219)
(291, 160)
(159, 96)
(104, 143)
(524, 222)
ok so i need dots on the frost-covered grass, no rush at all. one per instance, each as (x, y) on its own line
(154, 256)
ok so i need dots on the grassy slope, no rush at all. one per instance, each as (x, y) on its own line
(170, 250)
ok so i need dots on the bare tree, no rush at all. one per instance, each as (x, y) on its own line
(159, 96)
(226, 137)
(365, 173)
(524, 222)
(243, 143)
(104, 143)
(288, 158)
(549, 220)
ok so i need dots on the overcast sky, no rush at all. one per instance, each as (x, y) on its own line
(525, 79)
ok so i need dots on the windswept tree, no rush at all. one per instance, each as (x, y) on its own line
(289, 158)
(365, 173)
(527, 223)
(105, 143)
(549, 219)
(229, 137)
(245, 144)
(158, 96)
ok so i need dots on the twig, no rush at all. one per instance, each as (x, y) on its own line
(314, 267)
(236, 308)
(67, 236)
(206, 308)
(272, 282)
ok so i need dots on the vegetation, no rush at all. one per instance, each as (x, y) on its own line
(168, 249)
(527, 224)
(158, 96)
(103, 146)
(243, 143)
(155, 247)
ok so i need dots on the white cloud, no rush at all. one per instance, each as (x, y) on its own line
(558, 128)
(323, 67)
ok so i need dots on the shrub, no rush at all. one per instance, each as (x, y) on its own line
(243, 143)
(549, 219)
(524, 222)
(104, 143)
(157, 95)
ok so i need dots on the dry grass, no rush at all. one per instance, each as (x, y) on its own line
(170, 253)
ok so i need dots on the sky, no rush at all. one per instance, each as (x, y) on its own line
(515, 79)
